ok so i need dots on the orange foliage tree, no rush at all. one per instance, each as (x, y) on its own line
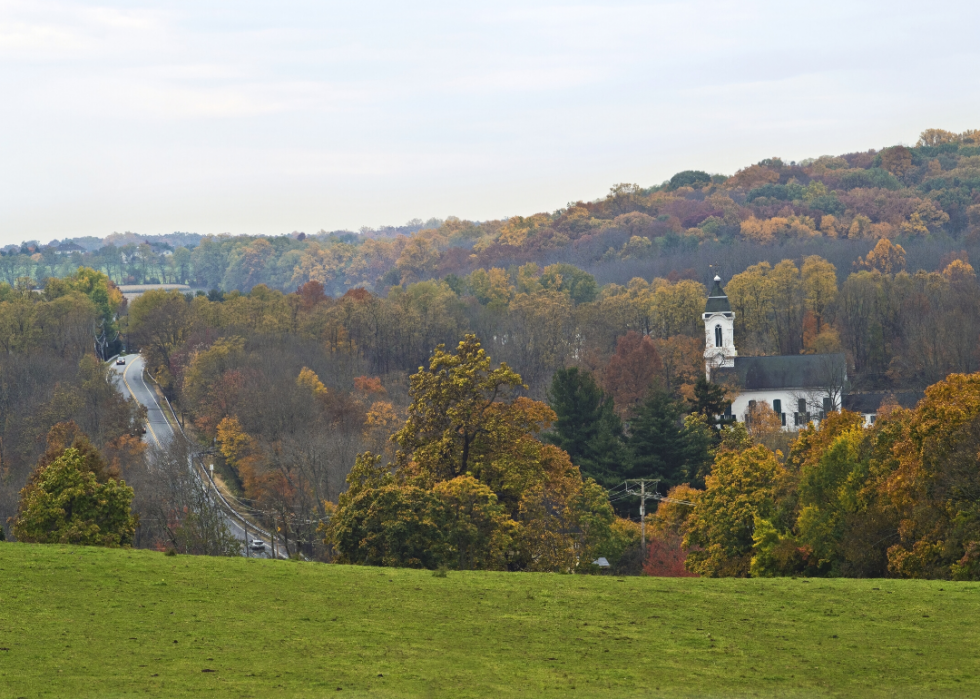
(631, 371)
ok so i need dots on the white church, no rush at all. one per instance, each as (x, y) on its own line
(799, 388)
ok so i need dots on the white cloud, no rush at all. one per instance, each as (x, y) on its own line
(252, 117)
(52, 31)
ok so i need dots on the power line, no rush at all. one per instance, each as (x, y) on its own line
(661, 498)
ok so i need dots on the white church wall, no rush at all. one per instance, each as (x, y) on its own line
(788, 403)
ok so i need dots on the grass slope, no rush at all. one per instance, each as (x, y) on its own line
(92, 622)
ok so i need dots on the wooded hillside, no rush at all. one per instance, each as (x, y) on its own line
(838, 207)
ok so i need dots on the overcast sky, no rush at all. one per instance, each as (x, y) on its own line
(270, 117)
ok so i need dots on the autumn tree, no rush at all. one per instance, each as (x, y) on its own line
(666, 554)
(740, 489)
(455, 423)
(819, 288)
(897, 160)
(936, 137)
(158, 324)
(631, 371)
(470, 485)
(72, 498)
(769, 304)
(682, 359)
(766, 427)
(833, 515)
(935, 485)
(886, 257)
(580, 286)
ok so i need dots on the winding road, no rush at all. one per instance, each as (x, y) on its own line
(130, 381)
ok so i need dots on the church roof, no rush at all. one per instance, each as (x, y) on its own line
(717, 300)
(798, 371)
(870, 402)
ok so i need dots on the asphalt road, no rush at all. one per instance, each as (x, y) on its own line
(130, 381)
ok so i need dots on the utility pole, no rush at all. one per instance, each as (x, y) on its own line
(644, 496)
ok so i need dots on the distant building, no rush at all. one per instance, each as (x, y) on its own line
(798, 388)
(869, 404)
(68, 247)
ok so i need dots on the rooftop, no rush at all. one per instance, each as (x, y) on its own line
(801, 371)
(871, 402)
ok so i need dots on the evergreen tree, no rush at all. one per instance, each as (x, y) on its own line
(700, 442)
(658, 442)
(709, 400)
(587, 427)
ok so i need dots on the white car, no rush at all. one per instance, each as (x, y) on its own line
(257, 545)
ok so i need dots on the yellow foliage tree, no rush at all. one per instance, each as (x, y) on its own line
(233, 441)
(740, 489)
(936, 137)
(467, 436)
(310, 381)
(886, 257)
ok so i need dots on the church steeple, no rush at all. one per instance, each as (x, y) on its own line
(717, 299)
(719, 330)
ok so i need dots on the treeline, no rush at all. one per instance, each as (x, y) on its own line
(926, 198)
(343, 422)
(226, 355)
(898, 330)
(294, 386)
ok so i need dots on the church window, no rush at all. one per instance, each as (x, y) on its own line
(717, 336)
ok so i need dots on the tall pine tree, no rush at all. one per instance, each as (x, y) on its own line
(587, 427)
(709, 400)
(657, 441)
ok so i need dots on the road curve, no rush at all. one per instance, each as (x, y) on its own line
(130, 381)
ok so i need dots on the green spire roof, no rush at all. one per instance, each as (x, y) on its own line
(717, 299)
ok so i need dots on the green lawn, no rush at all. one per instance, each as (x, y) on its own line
(92, 622)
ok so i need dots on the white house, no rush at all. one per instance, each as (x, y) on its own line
(799, 388)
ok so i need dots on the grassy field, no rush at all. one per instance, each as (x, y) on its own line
(78, 622)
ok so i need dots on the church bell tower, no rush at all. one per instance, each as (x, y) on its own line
(719, 331)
